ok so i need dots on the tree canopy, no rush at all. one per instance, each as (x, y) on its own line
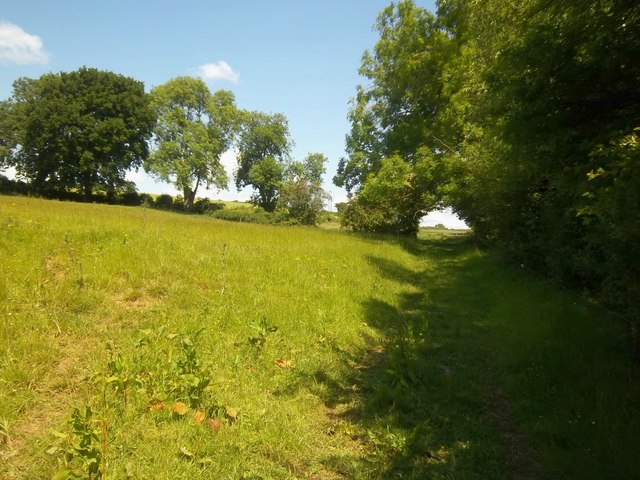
(302, 193)
(76, 130)
(264, 146)
(194, 129)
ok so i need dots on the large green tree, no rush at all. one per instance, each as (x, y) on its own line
(264, 146)
(194, 129)
(397, 110)
(77, 130)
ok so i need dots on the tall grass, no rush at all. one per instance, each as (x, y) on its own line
(320, 354)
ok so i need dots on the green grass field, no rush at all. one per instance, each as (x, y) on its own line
(143, 344)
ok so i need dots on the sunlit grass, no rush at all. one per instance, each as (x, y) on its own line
(328, 355)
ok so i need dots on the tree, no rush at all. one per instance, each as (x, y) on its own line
(548, 95)
(194, 129)
(266, 175)
(394, 199)
(77, 130)
(302, 194)
(398, 111)
(264, 146)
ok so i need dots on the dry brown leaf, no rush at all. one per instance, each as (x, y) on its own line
(283, 363)
(214, 424)
(180, 408)
(199, 417)
(156, 405)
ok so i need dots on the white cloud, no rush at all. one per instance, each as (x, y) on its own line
(218, 71)
(20, 47)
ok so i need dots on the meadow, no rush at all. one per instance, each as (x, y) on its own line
(136, 343)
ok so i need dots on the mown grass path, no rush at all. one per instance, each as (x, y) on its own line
(208, 349)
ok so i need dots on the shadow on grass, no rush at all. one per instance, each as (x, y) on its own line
(478, 371)
(419, 398)
(482, 372)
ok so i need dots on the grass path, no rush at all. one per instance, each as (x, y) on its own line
(296, 353)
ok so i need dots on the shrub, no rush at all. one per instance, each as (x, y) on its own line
(164, 201)
(204, 205)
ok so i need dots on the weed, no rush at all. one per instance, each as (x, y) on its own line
(118, 375)
(83, 448)
(193, 379)
(261, 330)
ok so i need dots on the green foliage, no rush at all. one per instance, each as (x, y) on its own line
(194, 129)
(527, 112)
(547, 95)
(81, 448)
(205, 206)
(264, 146)
(302, 194)
(252, 214)
(398, 111)
(164, 201)
(395, 197)
(77, 130)
(7, 133)
(266, 175)
(383, 204)
(260, 332)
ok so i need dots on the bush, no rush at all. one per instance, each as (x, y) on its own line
(375, 219)
(18, 187)
(164, 201)
(146, 200)
(204, 206)
(254, 215)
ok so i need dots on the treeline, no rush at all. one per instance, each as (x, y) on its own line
(75, 135)
(126, 195)
(524, 116)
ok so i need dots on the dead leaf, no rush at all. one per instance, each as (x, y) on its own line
(283, 363)
(180, 408)
(214, 424)
(156, 405)
(199, 417)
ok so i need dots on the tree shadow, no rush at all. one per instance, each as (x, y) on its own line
(419, 398)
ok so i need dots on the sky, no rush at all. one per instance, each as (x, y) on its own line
(296, 57)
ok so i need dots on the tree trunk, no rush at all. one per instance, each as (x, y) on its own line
(88, 190)
(189, 198)
(190, 195)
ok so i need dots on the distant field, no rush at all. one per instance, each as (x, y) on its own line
(187, 347)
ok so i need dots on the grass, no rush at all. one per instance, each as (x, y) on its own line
(207, 349)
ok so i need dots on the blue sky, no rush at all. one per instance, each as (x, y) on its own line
(297, 57)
